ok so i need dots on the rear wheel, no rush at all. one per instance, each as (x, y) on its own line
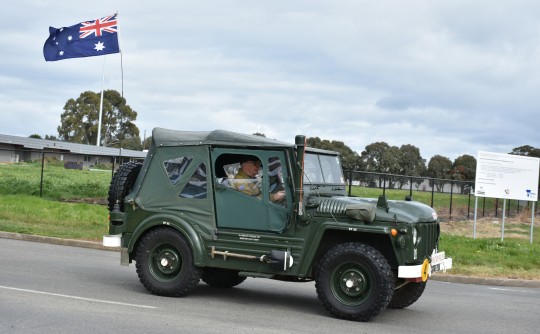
(165, 263)
(407, 294)
(221, 278)
(354, 281)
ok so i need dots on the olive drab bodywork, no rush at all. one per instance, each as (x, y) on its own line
(189, 213)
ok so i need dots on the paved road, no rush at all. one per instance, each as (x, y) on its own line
(48, 288)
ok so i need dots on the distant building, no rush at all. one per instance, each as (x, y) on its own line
(18, 149)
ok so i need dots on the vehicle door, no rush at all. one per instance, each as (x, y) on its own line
(264, 210)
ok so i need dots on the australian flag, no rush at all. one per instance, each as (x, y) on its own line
(86, 39)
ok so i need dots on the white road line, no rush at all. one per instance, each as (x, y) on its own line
(505, 289)
(78, 298)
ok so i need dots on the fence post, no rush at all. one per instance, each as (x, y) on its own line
(469, 205)
(432, 191)
(350, 181)
(410, 188)
(42, 166)
(451, 193)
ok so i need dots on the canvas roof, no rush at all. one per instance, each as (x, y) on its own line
(167, 137)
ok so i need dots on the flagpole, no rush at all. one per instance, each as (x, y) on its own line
(101, 105)
(120, 51)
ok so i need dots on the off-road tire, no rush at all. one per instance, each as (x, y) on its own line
(407, 295)
(221, 278)
(164, 263)
(122, 183)
(354, 281)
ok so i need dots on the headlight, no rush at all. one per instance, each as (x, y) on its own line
(414, 235)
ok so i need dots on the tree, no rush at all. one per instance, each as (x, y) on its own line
(464, 169)
(526, 150)
(439, 167)
(50, 137)
(411, 163)
(35, 135)
(79, 121)
(372, 157)
(147, 142)
(390, 164)
(130, 143)
(380, 157)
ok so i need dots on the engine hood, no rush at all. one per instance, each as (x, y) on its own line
(369, 209)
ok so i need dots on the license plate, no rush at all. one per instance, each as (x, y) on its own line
(437, 258)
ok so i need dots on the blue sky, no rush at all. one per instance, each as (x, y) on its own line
(450, 77)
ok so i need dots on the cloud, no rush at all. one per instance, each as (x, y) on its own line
(448, 77)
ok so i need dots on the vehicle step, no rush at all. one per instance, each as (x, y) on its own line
(254, 274)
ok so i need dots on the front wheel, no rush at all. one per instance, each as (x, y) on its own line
(354, 281)
(165, 263)
(407, 295)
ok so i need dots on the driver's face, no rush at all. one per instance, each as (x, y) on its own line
(251, 168)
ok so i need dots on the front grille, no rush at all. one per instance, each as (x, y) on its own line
(430, 235)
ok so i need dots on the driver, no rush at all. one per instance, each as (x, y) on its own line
(249, 171)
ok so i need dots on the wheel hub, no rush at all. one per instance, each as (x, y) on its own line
(166, 263)
(352, 282)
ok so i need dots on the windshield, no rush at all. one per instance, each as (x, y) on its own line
(322, 169)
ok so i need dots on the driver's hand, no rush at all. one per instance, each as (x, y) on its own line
(278, 197)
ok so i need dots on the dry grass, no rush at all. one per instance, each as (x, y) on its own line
(515, 228)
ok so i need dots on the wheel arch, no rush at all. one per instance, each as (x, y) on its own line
(192, 237)
(332, 237)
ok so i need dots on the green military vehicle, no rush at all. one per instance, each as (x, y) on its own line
(185, 215)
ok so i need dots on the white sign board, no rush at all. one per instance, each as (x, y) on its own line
(507, 176)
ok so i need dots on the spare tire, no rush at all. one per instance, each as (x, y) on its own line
(122, 183)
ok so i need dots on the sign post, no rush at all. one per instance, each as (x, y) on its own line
(506, 176)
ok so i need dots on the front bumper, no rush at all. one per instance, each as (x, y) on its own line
(114, 240)
(421, 272)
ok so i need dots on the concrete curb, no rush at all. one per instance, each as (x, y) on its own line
(486, 280)
(57, 241)
(436, 277)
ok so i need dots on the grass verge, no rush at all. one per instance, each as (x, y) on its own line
(491, 257)
(33, 215)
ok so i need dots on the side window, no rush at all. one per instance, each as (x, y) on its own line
(275, 181)
(175, 168)
(196, 186)
(245, 175)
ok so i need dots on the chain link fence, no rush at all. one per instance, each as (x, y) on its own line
(452, 199)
